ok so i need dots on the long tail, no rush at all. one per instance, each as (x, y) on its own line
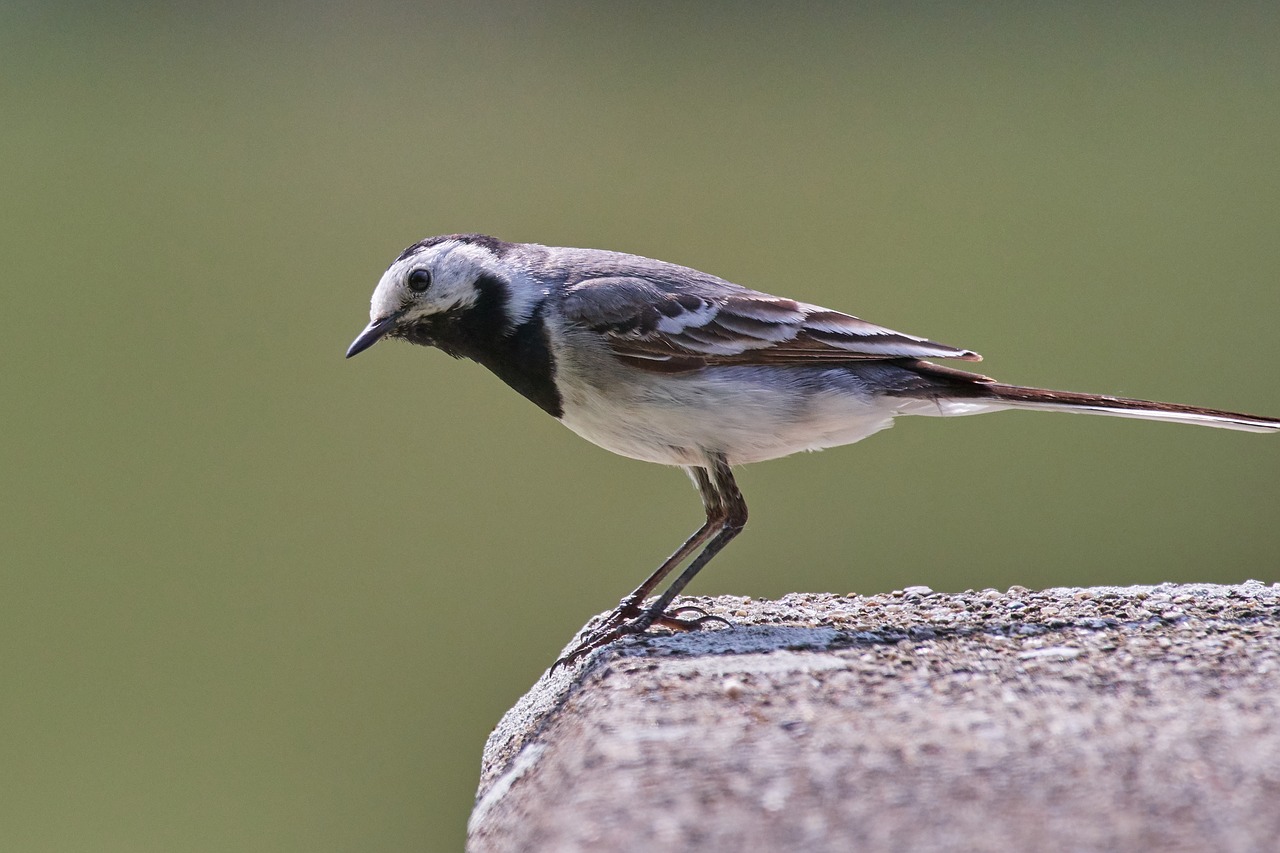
(1020, 397)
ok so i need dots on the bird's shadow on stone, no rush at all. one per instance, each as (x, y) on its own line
(759, 639)
(737, 640)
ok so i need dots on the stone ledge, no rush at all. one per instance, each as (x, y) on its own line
(1066, 719)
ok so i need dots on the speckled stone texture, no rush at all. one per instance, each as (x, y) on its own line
(1136, 718)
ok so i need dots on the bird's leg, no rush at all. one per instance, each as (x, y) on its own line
(732, 507)
(726, 516)
(630, 606)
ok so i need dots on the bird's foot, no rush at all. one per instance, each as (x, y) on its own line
(619, 624)
(671, 619)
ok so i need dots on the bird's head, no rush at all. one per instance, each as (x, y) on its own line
(437, 278)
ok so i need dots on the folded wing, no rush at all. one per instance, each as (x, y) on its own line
(667, 329)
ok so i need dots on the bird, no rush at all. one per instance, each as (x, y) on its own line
(666, 364)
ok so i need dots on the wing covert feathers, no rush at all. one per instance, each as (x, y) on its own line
(648, 325)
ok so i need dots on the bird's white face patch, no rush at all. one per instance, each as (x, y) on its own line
(454, 265)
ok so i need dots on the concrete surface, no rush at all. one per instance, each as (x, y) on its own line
(1137, 718)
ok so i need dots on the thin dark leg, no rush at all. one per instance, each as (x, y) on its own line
(734, 508)
(726, 516)
(630, 606)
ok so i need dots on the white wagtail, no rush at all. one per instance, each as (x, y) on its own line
(666, 364)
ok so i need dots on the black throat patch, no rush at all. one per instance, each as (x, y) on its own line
(519, 356)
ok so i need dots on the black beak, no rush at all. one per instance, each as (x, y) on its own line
(373, 333)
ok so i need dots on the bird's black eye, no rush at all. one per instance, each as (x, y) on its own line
(419, 280)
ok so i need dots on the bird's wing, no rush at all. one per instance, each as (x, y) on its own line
(664, 328)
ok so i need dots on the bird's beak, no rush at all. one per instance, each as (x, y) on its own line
(373, 333)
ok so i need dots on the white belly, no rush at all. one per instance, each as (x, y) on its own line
(747, 413)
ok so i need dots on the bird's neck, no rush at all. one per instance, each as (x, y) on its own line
(520, 356)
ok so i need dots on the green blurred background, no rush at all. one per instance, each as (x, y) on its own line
(256, 597)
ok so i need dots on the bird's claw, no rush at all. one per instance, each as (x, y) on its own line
(618, 625)
(671, 619)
